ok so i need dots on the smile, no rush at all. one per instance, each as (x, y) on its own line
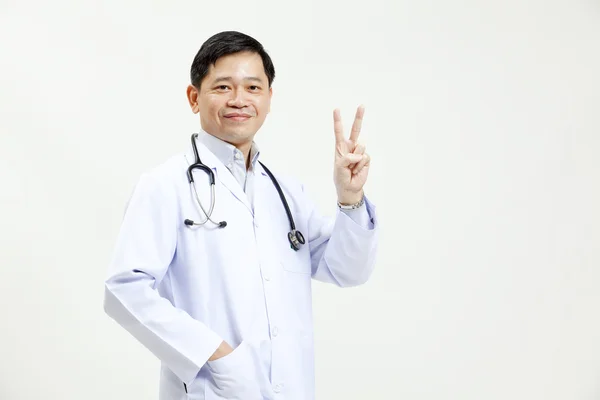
(238, 118)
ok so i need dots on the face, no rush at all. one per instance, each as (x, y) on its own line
(234, 98)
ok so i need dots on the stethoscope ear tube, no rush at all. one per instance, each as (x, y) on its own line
(209, 172)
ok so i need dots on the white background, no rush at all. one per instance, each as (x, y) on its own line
(483, 122)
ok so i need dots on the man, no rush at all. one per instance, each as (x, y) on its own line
(225, 302)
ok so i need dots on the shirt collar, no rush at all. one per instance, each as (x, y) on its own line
(226, 152)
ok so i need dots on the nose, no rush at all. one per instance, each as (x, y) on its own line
(237, 99)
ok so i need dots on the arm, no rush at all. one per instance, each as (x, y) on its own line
(145, 247)
(344, 252)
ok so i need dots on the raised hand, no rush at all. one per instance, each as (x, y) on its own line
(351, 165)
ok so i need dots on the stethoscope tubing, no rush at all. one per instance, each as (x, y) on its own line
(295, 237)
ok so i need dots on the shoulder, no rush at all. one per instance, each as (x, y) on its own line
(170, 168)
(165, 177)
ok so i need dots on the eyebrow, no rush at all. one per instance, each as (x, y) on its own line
(229, 79)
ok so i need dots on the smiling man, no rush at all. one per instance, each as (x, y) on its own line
(232, 93)
(214, 261)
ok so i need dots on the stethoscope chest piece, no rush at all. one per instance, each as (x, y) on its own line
(296, 239)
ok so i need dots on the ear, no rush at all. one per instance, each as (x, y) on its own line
(192, 96)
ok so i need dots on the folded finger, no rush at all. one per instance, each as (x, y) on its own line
(350, 158)
(360, 149)
(366, 159)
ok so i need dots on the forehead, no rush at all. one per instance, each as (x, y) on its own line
(238, 65)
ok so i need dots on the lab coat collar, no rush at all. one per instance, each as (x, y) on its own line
(221, 172)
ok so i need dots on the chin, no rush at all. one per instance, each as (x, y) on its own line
(239, 135)
(241, 130)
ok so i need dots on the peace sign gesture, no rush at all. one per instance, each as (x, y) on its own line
(351, 165)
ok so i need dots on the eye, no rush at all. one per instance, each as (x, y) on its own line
(254, 88)
(222, 87)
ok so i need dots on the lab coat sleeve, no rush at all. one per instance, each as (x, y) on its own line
(146, 244)
(343, 249)
(362, 216)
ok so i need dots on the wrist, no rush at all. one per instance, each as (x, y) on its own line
(223, 350)
(348, 199)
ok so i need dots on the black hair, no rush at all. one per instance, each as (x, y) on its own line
(225, 43)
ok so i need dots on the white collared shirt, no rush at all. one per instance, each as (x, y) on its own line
(234, 160)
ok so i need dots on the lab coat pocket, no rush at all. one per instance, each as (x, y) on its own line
(297, 265)
(233, 376)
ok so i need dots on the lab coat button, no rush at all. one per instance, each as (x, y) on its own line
(275, 332)
(237, 156)
(277, 388)
(267, 278)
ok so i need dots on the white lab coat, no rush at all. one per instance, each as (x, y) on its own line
(180, 291)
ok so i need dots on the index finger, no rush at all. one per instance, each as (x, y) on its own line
(338, 129)
(360, 112)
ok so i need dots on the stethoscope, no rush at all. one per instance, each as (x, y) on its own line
(294, 236)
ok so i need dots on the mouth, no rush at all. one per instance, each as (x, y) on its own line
(237, 117)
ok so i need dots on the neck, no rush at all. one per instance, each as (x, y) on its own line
(245, 147)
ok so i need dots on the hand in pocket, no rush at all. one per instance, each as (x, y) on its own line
(233, 376)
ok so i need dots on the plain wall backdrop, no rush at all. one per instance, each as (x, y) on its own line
(483, 123)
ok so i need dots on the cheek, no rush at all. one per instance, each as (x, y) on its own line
(211, 108)
(263, 106)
